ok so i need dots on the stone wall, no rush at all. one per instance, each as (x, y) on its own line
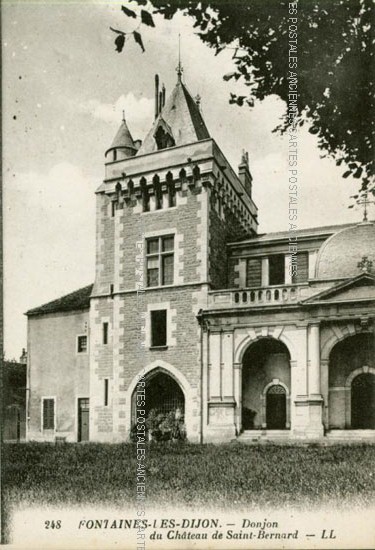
(56, 370)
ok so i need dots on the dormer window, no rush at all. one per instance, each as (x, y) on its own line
(163, 136)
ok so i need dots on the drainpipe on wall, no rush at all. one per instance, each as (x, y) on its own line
(200, 321)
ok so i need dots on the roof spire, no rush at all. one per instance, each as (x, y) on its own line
(365, 202)
(123, 115)
(179, 68)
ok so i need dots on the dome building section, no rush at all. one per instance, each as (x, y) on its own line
(340, 255)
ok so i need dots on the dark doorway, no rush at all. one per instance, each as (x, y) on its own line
(83, 419)
(12, 423)
(163, 394)
(363, 402)
(276, 408)
(266, 364)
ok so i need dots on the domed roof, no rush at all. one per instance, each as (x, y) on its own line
(340, 254)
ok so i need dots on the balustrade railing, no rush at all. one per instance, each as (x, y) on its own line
(284, 294)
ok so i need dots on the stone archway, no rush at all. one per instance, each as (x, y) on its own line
(190, 399)
(266, 379)
(163, 394)
(349, 359)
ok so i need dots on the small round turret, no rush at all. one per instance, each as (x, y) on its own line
(123, 145)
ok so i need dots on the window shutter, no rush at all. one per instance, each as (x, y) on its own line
(254, 272)
(302, 274)
(48, 414)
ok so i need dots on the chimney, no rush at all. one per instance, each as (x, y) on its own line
(156, 95)
(23, 358)
(160, 101)
(163, 92)
(244, 172)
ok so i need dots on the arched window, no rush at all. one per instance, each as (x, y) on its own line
(196, 173)
(276, 408)
(182, 174)
(171, 190)
(158, 193)
(145, 195)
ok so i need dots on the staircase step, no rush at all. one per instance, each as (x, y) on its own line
(355, 435)
(280, 436)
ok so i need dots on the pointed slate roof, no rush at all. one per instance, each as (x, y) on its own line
(123, 138)
(79, 299)
(183, 117)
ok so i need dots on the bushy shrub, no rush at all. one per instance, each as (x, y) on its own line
(165, 426)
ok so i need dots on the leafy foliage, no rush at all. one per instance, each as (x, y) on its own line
(146, 19)
(335, 71)
(165, 426)
(128, 12)
(120, 42)
(138, 39)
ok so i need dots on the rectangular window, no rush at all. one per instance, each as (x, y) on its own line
(48, 414)
(159, 328)
(276, 269)
(113, 208)
(106, 381)
(82, 344)
(302, 273)
(167, 270)
(160, 261)
(254, 272)
(105, 333)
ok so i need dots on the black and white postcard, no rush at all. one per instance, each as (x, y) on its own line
(189, 274)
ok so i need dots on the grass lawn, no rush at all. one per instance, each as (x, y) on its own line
(205, 476)
(188, 476)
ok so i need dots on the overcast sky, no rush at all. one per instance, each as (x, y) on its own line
(64, 88)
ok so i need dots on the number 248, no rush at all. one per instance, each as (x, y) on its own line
(52, 524)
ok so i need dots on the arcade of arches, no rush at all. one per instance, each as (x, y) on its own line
(266, 380)
(267, 386)
(351, 403)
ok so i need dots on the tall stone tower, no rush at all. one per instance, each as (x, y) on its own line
(165, 211)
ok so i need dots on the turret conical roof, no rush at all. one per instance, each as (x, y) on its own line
(123, 138)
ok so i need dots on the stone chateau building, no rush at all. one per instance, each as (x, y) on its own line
(216, 315)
